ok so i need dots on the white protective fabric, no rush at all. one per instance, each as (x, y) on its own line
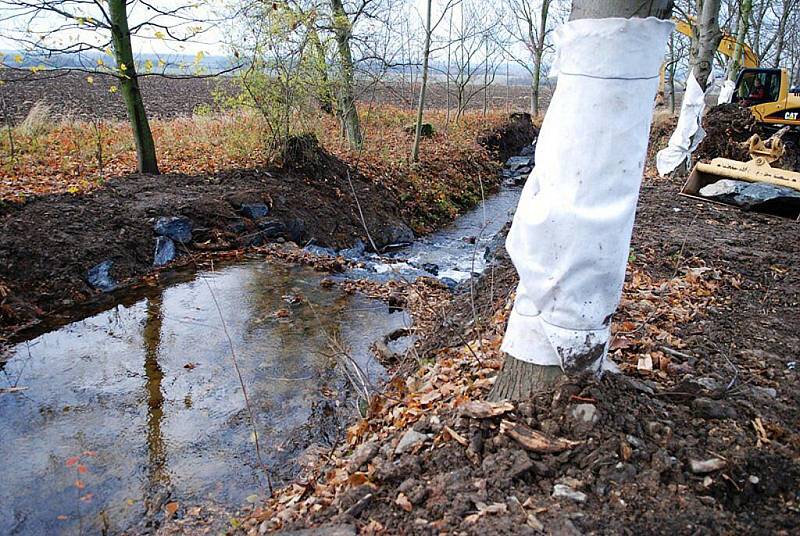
(726, 93)
(571, 232)
(688, 133)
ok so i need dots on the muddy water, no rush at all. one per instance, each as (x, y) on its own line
(147, 398)
(139, 406)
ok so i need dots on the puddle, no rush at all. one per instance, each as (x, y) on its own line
(146, 396)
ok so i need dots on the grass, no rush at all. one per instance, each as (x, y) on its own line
(56, 156)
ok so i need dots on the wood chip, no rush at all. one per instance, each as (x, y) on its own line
(535, 441)
(403, 502)
(479, 409)
(455, 435)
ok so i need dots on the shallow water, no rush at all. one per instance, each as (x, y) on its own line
(140, 405)
(146, 395)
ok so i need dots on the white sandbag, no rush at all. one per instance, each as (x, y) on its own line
(688, 133)
(571, 233)
(726, 93)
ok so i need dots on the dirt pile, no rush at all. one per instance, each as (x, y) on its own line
(509, 140)
(729, 126)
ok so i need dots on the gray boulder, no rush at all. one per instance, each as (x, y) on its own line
(178, 228)
(354, 253)
(516, 162)
(753, 196)
(100, 276)
(165, 251)
(394, 235)
(254, 211)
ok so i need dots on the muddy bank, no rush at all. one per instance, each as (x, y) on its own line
(702, 440)
(50, 244)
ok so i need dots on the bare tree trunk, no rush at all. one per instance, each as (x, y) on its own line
(735, 65)
(538, 55)
(708, 37)
(129, 87)
(421, 104)
(447, 76)
(673, 61)
(347, 101)
(519, 379)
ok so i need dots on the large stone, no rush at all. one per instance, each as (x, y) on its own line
(516, 162)
(586, 413)
(271, 228)
(566, 492)
(354, 253)
(529, 150)
(165, 251)
(752, 196)
(410, 439)
(296, 230)
(100, 276)
(394, 235)
(426, 131)
(320, 250)
(178, 228)
(254, 211)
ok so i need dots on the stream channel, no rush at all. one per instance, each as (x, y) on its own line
(106, 420)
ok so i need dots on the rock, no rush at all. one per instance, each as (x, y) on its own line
(764, 392)
(394, 235)
(364, 454)
(320, 250)
(254, 211)
(165, 251)
(523, 171)
(354, 253)
(449, 282)
(752, 196)
(713, 409)
(409, 440)
(586, 413)
(724, 190)
(431, 268)
(236, 227)
(566, 492)
(100, 277)
(426, 131)
(529, 150)
(761, 196)
(702, 467)
(271, 228)
(178, 228)
(328, 530)
(516, 162)
(297, 230)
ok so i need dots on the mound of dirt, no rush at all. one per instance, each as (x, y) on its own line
(511, 138)
(729, 126)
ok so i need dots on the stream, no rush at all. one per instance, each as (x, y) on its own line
(107, 420)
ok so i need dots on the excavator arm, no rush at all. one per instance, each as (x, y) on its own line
(727, 46)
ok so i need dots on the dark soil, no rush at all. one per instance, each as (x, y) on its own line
(508, 140)
(49, 243)
(634, 463)
(728, 126)
(69, 95)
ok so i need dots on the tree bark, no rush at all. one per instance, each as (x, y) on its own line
(708, 37)
(424, 86)
(519, 379)
(129, 87)
(347, 101)
(745, 7)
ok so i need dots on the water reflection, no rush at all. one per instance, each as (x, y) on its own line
(148, 386)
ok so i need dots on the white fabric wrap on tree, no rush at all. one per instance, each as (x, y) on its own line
(571, 233)
(688, 132)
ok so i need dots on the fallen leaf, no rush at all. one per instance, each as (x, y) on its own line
(79, 484)
(72, 461)
(171, 508)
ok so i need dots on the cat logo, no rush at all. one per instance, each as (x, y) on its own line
(791, 116)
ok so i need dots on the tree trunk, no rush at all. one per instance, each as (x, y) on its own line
(708, 37)
(518, 379)
(538, 55)
(421, 104)
(129, 87)
(324, 92)
(735, 65)
(347, 101)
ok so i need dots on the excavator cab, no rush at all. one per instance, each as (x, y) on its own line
(766, 92)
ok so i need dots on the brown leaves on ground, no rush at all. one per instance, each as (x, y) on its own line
(457, 381)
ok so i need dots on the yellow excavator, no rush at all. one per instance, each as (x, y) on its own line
(753, 185)
(766, 92)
